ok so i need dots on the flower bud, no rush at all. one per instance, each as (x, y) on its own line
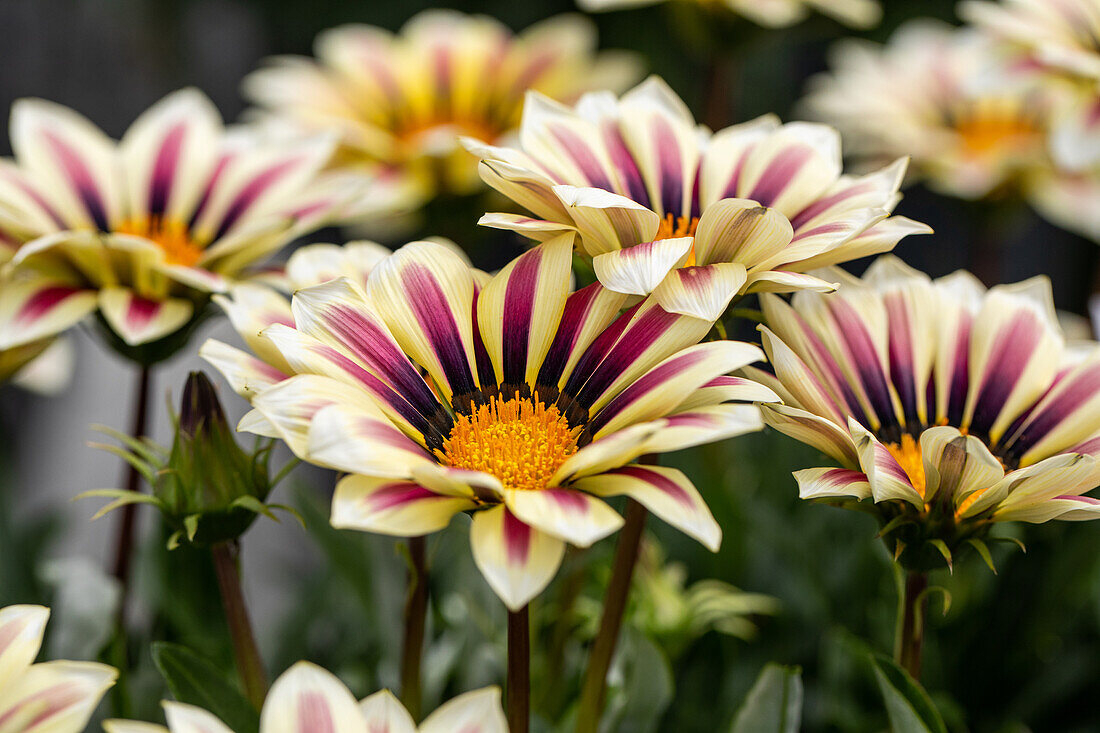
(208, 487)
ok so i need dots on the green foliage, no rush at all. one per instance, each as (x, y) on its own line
(908, 705)
(196, 681)
(774, 704)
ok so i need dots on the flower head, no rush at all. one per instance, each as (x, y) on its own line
(647, 191)
(308, 699)
(949, 406)
(400, 101)
(58, 697)
(143, 230)
(443, 391)
(771, 13)
(972, 119)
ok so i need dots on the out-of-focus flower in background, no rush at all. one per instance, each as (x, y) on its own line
(399, 101)
(769, 13)
(142, 231)
(1062, 40)
(647, 191)
(949, 406)
(536, 403)
(972, 121)
(308, 698)
(58, 697)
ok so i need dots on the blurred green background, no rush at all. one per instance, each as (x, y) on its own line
(1017, 651)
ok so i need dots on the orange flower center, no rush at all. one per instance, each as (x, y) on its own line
(993, 129)
(171, 236)
(678, 226)
(907, 454)
(521, 441)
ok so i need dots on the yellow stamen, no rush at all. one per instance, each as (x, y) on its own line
(171, 236)
(520, 440)
(679, 226)
(907, 454)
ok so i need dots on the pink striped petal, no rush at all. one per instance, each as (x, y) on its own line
(357, 441)
(819, 483)
(887, 478)
(520, 310)
(308, 699)
(639, 269)
(190, 719)
(588, 313)
(54, 696)
(139, 320)
(606, 221)
(701, 292)
(21, 630)
(564, 513)
(517, 560)
(666, 492)
(386, 506)
(247, 375)
(33, 308)
(740, 230)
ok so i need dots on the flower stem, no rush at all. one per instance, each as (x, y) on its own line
(247, 655)
(603, 648)
(518, 688)
(416, 611)
(124, 539)
(910, 624)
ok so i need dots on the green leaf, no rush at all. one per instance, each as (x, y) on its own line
(289, 510)
(143, 468)
(254, 505)
(907, 704)
(140, 446)
(945, 551)
(132, 497)
(191, 524)
(983, 550)
(196, 681)
(774, 704)
(894, 524)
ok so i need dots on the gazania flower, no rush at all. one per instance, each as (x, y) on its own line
(948, 406)
(771, 13)
(646, 192)
(51, 697)
(972, 120)
(399, 102)
(143, 230)
(308, 699)
(515, 400)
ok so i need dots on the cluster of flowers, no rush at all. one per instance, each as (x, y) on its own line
(1008, 105)
(517, 397)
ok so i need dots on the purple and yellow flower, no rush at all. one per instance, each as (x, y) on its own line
(309, 699)
(646, 192)
(770, 13)
(948, 406)
(143, 230)
(440, 390)
(399, 101)
(49, 697)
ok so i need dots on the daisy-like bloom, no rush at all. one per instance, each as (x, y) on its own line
(309, 699)
(400, 101)
(973, 120)
(50, 697)
(948, 406)
(646, 191)
(143, 230)
(770, 13)
(440, 391)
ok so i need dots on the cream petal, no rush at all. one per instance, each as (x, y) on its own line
(517, 560)
(308, 699)
(392, 507)
(565, 513)
(479, 711)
